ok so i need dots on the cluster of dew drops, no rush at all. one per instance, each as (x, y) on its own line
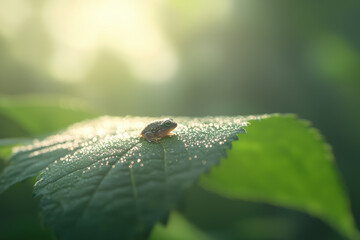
(207, 133)
(197, 135)
(87, 137)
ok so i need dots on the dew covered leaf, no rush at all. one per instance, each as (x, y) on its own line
(284, 162)
(100, 180)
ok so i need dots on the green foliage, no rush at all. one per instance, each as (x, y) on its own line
(284, 162)
(177, 228)
(19, 216)
(22, 119)
(99, 179)
(29, 116)
(99, 174)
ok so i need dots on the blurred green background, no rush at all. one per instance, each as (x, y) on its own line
(194, 58)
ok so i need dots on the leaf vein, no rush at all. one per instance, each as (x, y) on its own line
(88, 203)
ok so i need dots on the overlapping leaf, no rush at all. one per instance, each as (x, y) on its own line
(284, 162)
(99, 180)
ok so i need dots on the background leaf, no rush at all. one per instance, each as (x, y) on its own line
(99, 179)
(32, 116)
(283, 162)
(177, 228)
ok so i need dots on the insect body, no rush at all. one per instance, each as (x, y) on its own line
(158, 129)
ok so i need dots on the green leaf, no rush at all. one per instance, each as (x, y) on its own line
(284, 162)
(15, 141)
(9, 128)
(29, 116)
(5, 152)
(100, 180)
(177, 228)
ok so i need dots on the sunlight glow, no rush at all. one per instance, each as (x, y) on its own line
(127, 28)
(64, 38)
(13, 16)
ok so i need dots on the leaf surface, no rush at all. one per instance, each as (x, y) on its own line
(100, 180)
(284, 162)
